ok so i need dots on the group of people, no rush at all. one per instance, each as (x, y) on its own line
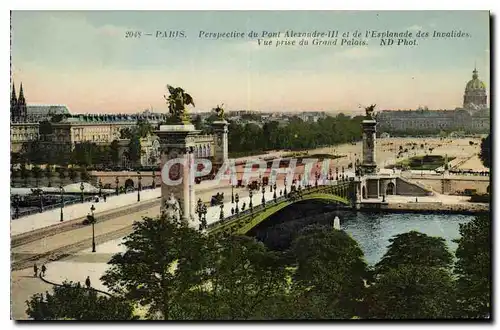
(44, 269)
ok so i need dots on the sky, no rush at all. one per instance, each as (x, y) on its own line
(82, 59)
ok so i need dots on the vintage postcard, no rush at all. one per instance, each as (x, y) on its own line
(250, 165)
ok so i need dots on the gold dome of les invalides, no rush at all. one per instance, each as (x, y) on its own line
(475, 83)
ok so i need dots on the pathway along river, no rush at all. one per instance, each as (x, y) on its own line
(372, 231)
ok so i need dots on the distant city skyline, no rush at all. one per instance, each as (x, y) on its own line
(83, 60)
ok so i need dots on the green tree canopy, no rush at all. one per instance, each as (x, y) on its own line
(411, 292)
(414, 248)
(74, 302)
(473, 268)
(332, 270)
(485, 153)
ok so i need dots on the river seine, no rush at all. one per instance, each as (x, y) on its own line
(372, 231)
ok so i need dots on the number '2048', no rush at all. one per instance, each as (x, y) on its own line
(132, 34)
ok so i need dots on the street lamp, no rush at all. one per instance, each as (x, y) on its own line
(251, 204)
(232, 194)
(201, 210)
(285, 188)
(82, 188)
(336, 173)
(237, 199)
(62, 202)
(154, 176)
(203, 220)
(92, 221)
(263, 198)
(221, 216)
(100, 187)
(117, 181)
(139, 186)
(16, 205)
(274, 193)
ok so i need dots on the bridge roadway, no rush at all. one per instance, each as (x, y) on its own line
(67, 253)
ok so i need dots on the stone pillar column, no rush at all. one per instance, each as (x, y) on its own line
(192, 196)
(221, 142)
(177, 142)
(369, 164)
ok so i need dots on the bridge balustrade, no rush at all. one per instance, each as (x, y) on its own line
(341, 188)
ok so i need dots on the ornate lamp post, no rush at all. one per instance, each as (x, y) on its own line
(274, 192)
(82, 188)
(100, 187)
(221, 216)
(263, 197)
(203, 221)
(237, 199)
(154, 177)
(343, 175)
(92, 221)
(232, 194)
(139, 186)
(199, 210)
(62, 203)
(117, 181)
(16, 205)
(251, 204)
(285, 188)
(336, 173)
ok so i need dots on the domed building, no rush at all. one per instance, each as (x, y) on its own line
(473, 117)
(475, 93)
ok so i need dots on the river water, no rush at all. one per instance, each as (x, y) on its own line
(372, 231)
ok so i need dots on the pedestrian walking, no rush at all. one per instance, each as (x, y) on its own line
(44, 269)
(87, 282)
(104, 198)
(35, 269)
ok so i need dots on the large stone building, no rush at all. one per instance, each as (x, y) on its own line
(473, 117)
(29, 123)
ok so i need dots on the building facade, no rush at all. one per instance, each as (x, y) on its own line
(473, 117)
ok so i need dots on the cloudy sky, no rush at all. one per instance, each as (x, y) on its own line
(83, 60)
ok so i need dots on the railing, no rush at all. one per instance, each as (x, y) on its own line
(36, 210)
(272, 202)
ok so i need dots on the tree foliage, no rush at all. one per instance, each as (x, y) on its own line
(485, 153)
(332, 270)
(295, 135)
(473, 268)
(414, 248)
(75, 302)
(411, 292)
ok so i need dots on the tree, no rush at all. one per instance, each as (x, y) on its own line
(411, 292)
(115, 153)
(485, 153)
(37, 174)
(143, 128)
(49, 174)
(473, 268)
(72, 174)
(198, 123)
(62, 173)
(25, 174)
(246, 279)
(145, 272)
(84, 174)
(74, 302)
(134, 149)
(417, 249)
(332, 271)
